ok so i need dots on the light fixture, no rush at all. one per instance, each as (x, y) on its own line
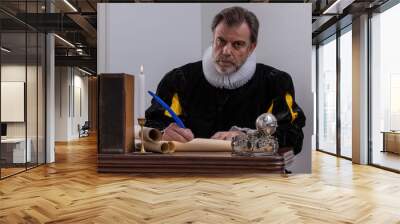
(337, 7)
(5, 50)
(79, 51)
(65, 41)
(70, 5)
(84, 71)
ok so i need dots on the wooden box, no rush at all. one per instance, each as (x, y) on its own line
(115, 113)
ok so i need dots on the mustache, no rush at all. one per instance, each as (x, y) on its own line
(224, 60)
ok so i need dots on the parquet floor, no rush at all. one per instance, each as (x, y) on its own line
(387, 159)
(10, 171)
(71, 191)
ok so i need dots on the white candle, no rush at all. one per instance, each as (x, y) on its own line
(142, 93)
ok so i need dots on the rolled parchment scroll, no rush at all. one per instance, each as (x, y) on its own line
(202, 145)
(150, 134)
(159, 147)
(196, 145)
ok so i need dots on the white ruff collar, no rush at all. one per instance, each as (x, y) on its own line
(231, 81)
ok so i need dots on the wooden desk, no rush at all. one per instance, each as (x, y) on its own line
(391, 141)
(13, 150)
(194, 162)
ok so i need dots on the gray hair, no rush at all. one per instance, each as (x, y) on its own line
(235, 16)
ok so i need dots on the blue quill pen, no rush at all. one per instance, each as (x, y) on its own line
(178, 121)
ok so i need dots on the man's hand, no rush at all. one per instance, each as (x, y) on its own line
(174, 133)
(226, 135)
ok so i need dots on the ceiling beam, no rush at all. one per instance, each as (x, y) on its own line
(84, 24)
(82, 61)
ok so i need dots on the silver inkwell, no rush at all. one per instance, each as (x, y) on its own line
(259, 142)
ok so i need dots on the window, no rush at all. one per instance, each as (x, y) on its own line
(327, 96)
(385, 88)
(22, 66)
(334, 137)
(346, 92)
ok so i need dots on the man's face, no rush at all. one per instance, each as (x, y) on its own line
(231, 47)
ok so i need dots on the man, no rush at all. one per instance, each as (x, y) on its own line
(228, 88)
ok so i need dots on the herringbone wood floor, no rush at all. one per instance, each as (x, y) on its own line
(71, 191)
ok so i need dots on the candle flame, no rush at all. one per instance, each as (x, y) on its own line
(141, 69)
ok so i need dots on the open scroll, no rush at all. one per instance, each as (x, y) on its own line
(153, 143)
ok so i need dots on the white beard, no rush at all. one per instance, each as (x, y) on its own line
(228, 81)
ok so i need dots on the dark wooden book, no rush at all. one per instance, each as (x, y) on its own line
(115, 113)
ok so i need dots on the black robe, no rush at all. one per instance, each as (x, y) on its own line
(206, 109)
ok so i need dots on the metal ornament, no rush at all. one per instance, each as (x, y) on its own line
(266, 123)
(260, 142)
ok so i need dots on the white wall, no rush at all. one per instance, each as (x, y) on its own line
(61, 103)
(133, 34)
(69, 85)
(165, 36)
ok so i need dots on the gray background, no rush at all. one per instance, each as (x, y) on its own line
(166, 36)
